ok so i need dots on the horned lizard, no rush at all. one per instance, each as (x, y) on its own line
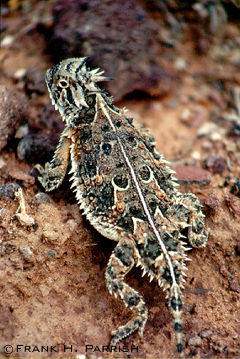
(126, 190)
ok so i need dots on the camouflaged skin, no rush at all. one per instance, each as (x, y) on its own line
(126, 190)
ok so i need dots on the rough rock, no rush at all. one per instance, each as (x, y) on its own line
(211, 204)
(206, 333)
(50, 236)
(35, 80)
(233, 204)
(19, 175)
(120, 38)
(24, 219)
(192, 174)
(26, 253)
(13, 111)
(195, 341)
(3, 212)
(234, 285)
(42, 197)
(8, 190)
(207, 128)
(215, 163)
(37, 148)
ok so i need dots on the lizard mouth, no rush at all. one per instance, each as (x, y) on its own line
(57, 107)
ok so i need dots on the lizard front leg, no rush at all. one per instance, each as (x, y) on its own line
(52, 175)
(120, 263)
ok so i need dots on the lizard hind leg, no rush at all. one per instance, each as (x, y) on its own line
(197, 234)
(120, 263)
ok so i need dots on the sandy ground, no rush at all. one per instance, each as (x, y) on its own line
(52, 282)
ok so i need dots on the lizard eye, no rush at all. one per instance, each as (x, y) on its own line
(63, 83)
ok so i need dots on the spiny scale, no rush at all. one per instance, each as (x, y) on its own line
(126, 190)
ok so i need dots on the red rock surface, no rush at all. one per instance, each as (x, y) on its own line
(192, 174)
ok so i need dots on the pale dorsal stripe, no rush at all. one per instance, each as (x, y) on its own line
(139, 190)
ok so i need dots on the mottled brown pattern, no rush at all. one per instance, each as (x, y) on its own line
(126, 190)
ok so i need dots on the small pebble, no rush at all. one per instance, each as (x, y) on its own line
(25, 219)
(72, 225)
(206, 333)
(26, 252)
(50, 236)
(42, 197)
(219, 346)
(195, 341)
(50, 253)
(215, 136)
(196, 155)
(81, 356)
(215, 163)
(211, 204)
(21, 131)
(7, 247)
(44, 289)
(3, 212)
(185, 115)
(233, 204)
(8, 190)
(22, 176)
(207, 128)
(234, 285)
(7, 40)
(20, 73)
(180, 64)
(223, 270)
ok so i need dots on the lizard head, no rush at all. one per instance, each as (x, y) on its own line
(70, 82)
